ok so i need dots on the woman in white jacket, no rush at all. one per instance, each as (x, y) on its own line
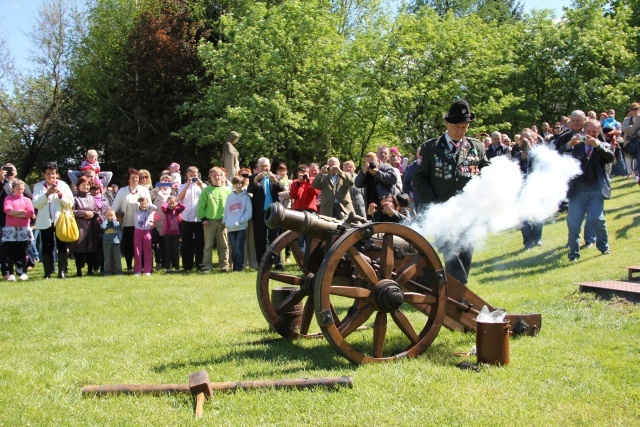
(49, 197)
(126, 206)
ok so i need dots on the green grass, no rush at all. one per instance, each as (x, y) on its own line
(582, 369)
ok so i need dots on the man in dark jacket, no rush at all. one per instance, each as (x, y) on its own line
(264, 188)
(588, 191)
(377, 179)
(445, 165)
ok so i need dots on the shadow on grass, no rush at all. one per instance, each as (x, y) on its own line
(622, 232)
(533, 263)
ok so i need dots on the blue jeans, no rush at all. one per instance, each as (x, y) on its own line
(236, 240)
(581, 203)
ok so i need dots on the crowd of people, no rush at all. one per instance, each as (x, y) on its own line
(176, 224)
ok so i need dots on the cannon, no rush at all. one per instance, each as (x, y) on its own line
(351, 271)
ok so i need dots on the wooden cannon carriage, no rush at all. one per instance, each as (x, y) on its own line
(353, 271)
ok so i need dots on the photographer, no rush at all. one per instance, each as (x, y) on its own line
(49, 197)
(302, 193)
(334, 185)
(377, 179)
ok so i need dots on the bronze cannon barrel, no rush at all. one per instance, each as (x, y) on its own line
(301, 222)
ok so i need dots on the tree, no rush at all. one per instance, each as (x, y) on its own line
(32, 109)
(137, 64)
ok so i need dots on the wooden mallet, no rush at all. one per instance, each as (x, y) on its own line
(200, 387)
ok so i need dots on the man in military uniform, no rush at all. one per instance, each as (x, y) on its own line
(445, 165)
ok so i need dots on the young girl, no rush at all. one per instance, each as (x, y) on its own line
(91, 161)
(142, 237)
(172, 210)
(16, 234)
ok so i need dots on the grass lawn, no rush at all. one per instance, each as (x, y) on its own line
(582, 369)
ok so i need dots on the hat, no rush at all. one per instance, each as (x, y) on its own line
(459, 113)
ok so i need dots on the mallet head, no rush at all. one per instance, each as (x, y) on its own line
(199, 383)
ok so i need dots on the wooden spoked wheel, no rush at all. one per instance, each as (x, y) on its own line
(292, 315)
(397, 274)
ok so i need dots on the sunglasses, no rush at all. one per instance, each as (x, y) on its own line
(144, 177)
(634, 109)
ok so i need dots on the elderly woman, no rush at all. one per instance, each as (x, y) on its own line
(87, 213)
(16, 234)
(126, 206)
(50, 196)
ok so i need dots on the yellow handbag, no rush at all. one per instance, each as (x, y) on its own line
(66, 227)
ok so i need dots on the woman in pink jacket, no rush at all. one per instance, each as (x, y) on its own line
(16, 235)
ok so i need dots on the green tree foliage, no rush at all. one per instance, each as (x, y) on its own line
(131, 76)
(32, 103)
(275, 80)
(489, 10)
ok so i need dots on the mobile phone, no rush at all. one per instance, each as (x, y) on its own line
(8, 170)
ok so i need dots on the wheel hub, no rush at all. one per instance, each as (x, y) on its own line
(388, 296)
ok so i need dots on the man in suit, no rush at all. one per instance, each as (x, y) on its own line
(334, 185)
(497, 148)
(264, 188)
(445, 165)
(576, 124)
(588, 191)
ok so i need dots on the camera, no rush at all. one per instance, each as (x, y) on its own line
(305, 176)
(194, 179)
(8, 170)
(373, 165)
(331, 168)
(583, 138)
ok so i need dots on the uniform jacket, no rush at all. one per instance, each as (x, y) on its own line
(330, 192)
(49, 208)
(439, 175)
(600, 156)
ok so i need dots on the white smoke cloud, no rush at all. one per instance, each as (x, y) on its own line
(500, 199)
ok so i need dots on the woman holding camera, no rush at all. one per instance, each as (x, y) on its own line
(126, 207)
(50, 196)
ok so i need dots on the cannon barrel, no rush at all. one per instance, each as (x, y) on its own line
(301, 222)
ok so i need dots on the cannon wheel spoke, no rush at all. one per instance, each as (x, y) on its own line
(356, 320)
(350, 292)
(410, 270)
(289, 302)
(379, 333)
(400, 319)
(307, 316)
(413, 332)
(386, 259)
(285, 278)
(363, 265)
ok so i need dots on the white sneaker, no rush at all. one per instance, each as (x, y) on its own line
(23, 277)
(635, 179)
(137, 274)
(147, 274)
(11, 278)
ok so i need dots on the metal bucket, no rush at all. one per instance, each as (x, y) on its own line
(492, 343)
(293, 317)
